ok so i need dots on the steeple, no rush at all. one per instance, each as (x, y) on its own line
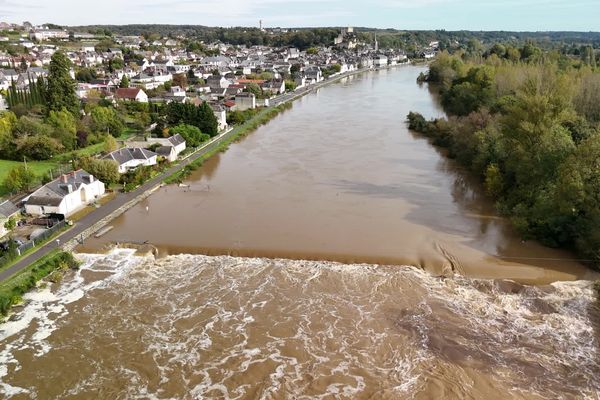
(376, 43)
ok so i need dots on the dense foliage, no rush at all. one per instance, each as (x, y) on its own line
(11, 291)
(192, 135)
(528, 124)
(201, 116)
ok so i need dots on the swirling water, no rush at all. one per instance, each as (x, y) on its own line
(196, 327)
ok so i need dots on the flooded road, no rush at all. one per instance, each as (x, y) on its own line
(339, 177)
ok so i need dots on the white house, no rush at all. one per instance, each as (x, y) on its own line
(132, 94)
(220, 115)
(380, 61)
(65, 195)
(130, 158)
(177, 142)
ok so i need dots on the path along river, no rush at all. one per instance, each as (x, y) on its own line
(338, 180)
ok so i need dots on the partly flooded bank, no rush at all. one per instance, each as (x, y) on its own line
(339, 177)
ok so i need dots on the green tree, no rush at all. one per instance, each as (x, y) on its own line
(65, 128)
(61, 87)
(290, 85)
(106, 119)
(39, 147)
(110, 144)
(10, 224)
(207, 121)
(105, 170)
(192, 135)
(124, 82)
(19, 179)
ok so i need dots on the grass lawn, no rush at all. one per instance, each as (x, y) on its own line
(86, 151)
(38, 167)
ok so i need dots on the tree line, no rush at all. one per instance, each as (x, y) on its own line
(528, 123)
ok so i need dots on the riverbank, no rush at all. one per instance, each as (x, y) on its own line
(51, 265)
(341, 178)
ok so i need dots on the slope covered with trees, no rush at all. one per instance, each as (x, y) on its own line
(527, 122)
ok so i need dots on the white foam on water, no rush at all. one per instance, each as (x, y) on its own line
(306, 318)
(44, 309)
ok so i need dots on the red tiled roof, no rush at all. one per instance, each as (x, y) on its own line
(257, 81)
(229, 103)
(127, 93)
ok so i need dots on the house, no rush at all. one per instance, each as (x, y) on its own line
(176, 141)
(313, 74)
(65, 195)
(177, 91)
(167, 152)
(7, 210)
(220, 115)
(131, 94)
(130, 158)
(217, 82)
(380, 61)
(274, 87)
(245, 101)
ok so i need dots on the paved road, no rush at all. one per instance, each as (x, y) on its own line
(119, 201)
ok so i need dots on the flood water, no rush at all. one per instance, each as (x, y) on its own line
(417, 306)
(339, 177)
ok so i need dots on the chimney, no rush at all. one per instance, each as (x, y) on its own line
(64, 178)
(70, 188)
(91, 178)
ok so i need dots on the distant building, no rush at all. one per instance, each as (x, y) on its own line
(245, 101)
(131, 94)
(47, 34)
(380, 61)
(65, 195)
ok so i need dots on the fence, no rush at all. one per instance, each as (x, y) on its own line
(32, 243)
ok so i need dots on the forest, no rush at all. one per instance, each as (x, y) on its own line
(527, 122)
(304, 38)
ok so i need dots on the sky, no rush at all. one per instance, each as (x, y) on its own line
(514, 15)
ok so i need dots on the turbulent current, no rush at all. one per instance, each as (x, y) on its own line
(200, 327)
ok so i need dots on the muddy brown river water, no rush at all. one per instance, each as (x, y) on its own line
(331, 254)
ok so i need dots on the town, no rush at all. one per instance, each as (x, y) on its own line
(85, 116)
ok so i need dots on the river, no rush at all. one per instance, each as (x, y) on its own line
(331, 254)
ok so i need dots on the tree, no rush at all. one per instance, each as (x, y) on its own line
(85, 75)
(10, 224)
(39, 147)
(201, 117)
(105, 170)
(61, 87)
(180, 80)
(65, 128)
(208, 122)
(124, 82)
(290, 85)
(19, 179)
(106, 119)
(192, 135)
(110, 144)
